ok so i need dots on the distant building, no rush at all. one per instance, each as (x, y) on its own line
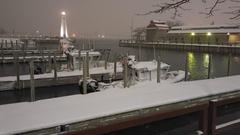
(211, 34)
(156, 30)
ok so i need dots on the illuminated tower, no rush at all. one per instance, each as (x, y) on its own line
(63, 32)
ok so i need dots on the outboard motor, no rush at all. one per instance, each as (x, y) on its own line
(92, 86)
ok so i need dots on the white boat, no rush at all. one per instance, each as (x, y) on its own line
(144, 71)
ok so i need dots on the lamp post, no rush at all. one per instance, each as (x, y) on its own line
(192, 36)
(209, 34)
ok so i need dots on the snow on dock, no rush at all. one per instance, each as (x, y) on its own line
(29, 116)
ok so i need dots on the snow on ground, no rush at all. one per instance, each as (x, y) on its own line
(22, 117)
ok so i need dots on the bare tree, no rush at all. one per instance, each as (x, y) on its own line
(174, 23)
(177, 5)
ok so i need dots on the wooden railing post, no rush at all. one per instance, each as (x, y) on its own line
(212, 118)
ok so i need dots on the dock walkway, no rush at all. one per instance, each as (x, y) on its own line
(206, 48)
(84, 112)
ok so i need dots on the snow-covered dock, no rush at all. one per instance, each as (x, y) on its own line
(63, 77)
(46, 115)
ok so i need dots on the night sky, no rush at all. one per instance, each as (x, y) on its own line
(88, 18)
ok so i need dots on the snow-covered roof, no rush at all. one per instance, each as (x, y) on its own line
(205, 29)
(23, 117)
(158, 24)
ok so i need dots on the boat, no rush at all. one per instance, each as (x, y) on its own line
(139, 72)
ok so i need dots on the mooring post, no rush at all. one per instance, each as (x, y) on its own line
(12, 47)
(87, 63)
(154, 52)
(6, 44)
(105, 64)
(115, 68)
(17, 70)
(85, 75)
(79, 58)
(158, 69)
(125, 72)
(89, 44)
(229, 64)
(2, 51)
(55, 66)
(210, 66)
(49, 62)
(17, 44)
(186, 67)
(139, 52)
(32, 83)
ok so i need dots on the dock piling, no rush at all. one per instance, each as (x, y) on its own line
(85, 75)
(55, 66)
(125, 71)
(115, 69)
(87, 63)
(210, 66)
(186, 67)
(158, 69)
(32, 83)
(229, 64)
(79, 58)
(154, 52)
(17, 66)
(49, 62)
(139, 53)
(2, 51)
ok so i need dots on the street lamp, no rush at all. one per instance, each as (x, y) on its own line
(63, 13)
(192, 35)
(208, 35)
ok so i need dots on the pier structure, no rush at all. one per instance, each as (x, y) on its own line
(205, 48)
(129, 108)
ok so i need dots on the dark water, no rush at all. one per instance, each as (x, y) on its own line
(197, 65)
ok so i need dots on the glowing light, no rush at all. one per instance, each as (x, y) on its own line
(74, 35)
(228, 33)
(63, 13)
(209, 34)
(191, 56)
(63, 30)
(192, 34)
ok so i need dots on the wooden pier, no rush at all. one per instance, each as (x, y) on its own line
(205, 48)
(113, 117)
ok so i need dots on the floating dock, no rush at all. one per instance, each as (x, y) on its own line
(118, 109)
